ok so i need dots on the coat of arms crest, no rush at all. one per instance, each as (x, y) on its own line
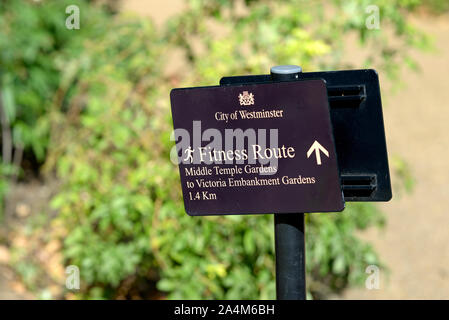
(246, 99)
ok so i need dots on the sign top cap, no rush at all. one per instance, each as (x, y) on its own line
(286, 69)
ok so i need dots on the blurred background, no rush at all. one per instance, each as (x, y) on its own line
(87, 188)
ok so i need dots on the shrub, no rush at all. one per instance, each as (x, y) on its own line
(34, 47)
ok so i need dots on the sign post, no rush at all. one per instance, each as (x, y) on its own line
(289, 231)
(269, 144)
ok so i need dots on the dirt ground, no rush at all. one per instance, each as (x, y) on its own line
(415, 242)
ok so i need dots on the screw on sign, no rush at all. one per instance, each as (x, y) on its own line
(278, 144)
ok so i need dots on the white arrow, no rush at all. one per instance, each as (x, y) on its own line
(317, 147)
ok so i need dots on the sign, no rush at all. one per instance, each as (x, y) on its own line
(257, 148)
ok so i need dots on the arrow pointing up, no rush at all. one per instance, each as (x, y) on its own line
(317, 147)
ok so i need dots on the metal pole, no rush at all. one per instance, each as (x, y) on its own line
(289, 231)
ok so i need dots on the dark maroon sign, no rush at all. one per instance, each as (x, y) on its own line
(261, 148)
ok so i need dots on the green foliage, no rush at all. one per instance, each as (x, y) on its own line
(122, 201)
(336, 257)
(34, 45)
(403, 172)
(112, 156)
(103, 102)
(309, 33)
(5, 171)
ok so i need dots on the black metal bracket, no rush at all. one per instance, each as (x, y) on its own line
(357, 120)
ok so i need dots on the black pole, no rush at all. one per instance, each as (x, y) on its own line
(290, 256)
(289, 231)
